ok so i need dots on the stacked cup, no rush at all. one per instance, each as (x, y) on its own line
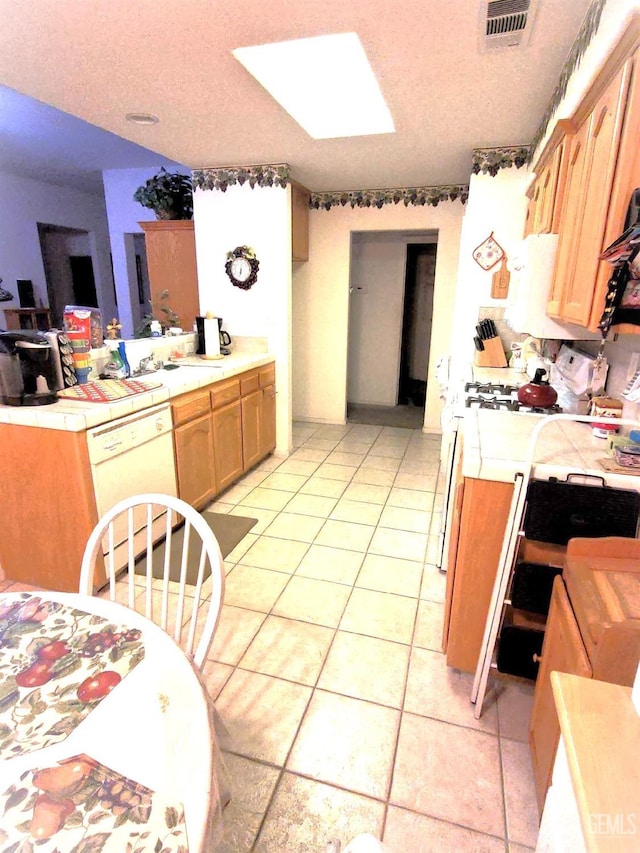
(80, 347)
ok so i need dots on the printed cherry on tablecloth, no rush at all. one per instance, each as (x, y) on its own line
(57, 664)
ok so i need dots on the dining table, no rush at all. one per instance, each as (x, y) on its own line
(106, 732)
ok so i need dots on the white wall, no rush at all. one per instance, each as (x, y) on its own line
(26, 202)
(259, 218)
(496, 204)
(321, 302)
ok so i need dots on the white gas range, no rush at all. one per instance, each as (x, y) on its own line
(481, 393)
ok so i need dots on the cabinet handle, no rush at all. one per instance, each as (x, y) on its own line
(537, 658)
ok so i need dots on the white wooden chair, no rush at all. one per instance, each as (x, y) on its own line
(125, 536)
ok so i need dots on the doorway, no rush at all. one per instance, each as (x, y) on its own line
(392, 277)
(68, 269)
(416, 323)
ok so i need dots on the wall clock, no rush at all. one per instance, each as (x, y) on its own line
(242, 267)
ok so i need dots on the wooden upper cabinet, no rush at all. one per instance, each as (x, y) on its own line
(601, 166)
(547, 191)
(171, 259)
(601, 155)
(571, 219)
(299, 222)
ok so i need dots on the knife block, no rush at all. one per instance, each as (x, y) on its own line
(492, 355)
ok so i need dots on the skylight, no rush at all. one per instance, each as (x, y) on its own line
(325, 83)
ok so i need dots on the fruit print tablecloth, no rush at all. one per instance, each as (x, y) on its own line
(56, 664)
(81, 806)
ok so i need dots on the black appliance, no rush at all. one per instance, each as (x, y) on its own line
(27, 374)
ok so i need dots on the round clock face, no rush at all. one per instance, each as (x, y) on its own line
(240, 269)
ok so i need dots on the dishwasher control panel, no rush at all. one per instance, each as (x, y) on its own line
(105, 442)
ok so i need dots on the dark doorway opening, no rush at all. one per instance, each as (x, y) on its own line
(416, 323)
(84, 283)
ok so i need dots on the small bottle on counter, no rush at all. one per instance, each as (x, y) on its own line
(125, 361)
(604, 430)
(156, 329)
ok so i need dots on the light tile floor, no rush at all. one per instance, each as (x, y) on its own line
(327, 670)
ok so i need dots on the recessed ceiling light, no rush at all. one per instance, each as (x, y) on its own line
(325, 83)
(142, 118)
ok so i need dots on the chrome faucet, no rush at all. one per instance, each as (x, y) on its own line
(146, 365)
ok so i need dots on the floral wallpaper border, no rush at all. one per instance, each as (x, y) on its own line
(582, 41)
(491, 160)
(417, 196)
(269, 175)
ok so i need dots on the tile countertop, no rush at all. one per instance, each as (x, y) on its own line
(496, 445)
(77, 416)
(601, 728)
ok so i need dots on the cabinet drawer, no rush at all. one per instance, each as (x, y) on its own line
(189, 407)
(267, 375)
(225, 392)
(249, 382)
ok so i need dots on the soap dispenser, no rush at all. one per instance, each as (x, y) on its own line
(114, 368)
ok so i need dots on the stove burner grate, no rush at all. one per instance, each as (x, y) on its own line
(492, 403)
(494, 388)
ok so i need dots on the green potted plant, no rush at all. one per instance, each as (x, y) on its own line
(168, 194)
(143, 330)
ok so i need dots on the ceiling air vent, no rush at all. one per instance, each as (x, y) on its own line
(506, 23)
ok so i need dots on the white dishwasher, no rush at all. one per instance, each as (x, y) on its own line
(132, 455)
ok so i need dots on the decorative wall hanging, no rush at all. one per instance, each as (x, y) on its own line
(488, 253)
(491, 160)
(582, 41)
(242, 267)
(276, 175)
(5, 296)
(378, 198)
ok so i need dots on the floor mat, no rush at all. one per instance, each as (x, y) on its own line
(228, 530)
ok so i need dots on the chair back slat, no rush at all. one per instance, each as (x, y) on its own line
(123, 546)
(184, 558)
(166, 571)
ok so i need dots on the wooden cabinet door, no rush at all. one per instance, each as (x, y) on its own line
(571, 219)
(562, 651)
(251, 429)
(171, 259)
(227, 444)
(267, 420)
(483, 520)
(602, 151)
(548, 198)
(194, 460)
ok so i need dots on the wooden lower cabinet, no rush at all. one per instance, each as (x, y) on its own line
(45, 530)
(195, 467)
(562, 651)
(483, 520)
(267, 420)
(227, 444)
(251, 450)
(193, 447)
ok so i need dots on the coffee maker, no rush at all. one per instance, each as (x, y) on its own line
(27, 373)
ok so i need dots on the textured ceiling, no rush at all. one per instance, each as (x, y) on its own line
(99, 59)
